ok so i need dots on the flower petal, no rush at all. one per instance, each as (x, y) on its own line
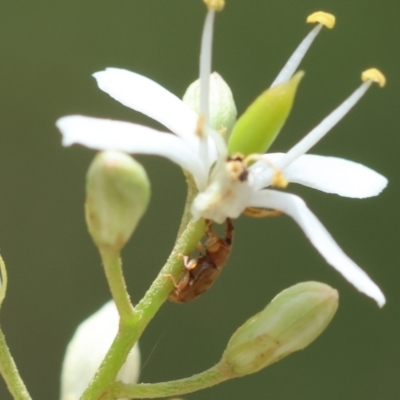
(329, 174)
(105, 134)
(87, 349)
(148, 97)
(320, 238)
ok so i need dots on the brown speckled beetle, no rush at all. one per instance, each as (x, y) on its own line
(200, 273)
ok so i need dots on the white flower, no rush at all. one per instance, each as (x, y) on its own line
(229, 185)
(87, 349)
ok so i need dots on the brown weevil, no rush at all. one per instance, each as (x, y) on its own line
(200, 273)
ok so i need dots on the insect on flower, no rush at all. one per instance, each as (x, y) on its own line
(200, 273)
(229, 186)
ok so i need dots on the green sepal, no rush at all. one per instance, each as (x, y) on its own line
(260, 124)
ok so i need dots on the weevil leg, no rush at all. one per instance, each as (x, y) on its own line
(187, 262)
(183, 282)
(200, 247)
(229, 231)
(212, 238)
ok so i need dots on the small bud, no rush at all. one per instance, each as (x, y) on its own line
(117, 195)
(87, 349)
(294, 319)
(260, 124)
(222, 105)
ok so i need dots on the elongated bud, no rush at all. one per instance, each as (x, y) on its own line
(294, 319)
(87, 349)
(117, 195)
(222, 105)
(260, 124)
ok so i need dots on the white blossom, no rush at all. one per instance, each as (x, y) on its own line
(229, 185)
(87, 349)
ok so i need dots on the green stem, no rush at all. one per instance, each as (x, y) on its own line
(191, 194)
(131, 328)
(116, 281)
(10, 373)
(211, 377)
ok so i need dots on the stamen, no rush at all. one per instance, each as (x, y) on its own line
(200, 127)
(215, 5)
(294, 61)
(374, 75)
(237, 170)
(279, 180)
(322, 18)
(205, 72)
(205, 64)
(328, 123)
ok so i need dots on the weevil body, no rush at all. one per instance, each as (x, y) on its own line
(201, 273)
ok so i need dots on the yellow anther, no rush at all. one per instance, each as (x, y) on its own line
(374, 75)
(216, 5)
(278, 180)
(323, 18)
(200, 126)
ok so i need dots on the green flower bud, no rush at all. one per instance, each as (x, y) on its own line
(222, 105)
(294, 319)
(260, 124)
(117, 195)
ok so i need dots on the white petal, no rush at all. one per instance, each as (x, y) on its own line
(105, 134)
(329, 174)
(320, 238)
(148, 97)
(86, 351)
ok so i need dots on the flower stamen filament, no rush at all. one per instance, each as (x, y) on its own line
(323, 19)
(331, 120)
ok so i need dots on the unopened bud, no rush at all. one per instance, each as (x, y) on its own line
(294, 319)
(117, 195)
(260, 124)
(87, 349)
(222, 105)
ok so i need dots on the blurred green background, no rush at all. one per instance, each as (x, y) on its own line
(49, 49)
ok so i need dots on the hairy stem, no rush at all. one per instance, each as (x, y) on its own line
(132, 327)
(10, 373)
(116, 281)
(206, 379)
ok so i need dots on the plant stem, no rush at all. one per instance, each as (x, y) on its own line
(10, 373)
(131, 328)
(116, 281)
(206, 379)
